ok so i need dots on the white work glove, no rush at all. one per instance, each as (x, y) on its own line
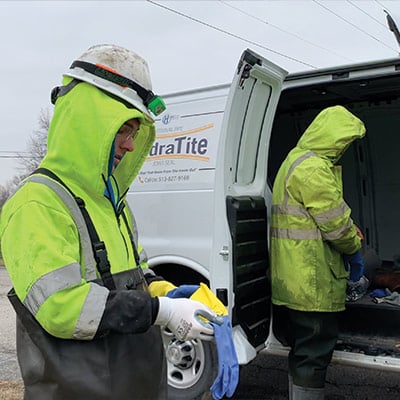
(183, 318)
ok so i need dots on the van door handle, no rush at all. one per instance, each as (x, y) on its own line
(224, 253)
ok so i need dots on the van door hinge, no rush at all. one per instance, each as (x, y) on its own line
(245, 74)
(224, 253)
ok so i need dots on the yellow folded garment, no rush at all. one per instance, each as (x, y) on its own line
(207, 297)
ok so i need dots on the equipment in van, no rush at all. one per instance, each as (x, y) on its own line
(392, 298)
(355, 290)
(389, 280)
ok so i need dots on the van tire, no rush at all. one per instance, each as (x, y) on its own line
(192, 367)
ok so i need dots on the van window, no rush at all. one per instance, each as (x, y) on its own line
(251, 132)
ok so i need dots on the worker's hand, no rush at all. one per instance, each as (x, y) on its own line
(185, 318)
(355, 264)
(359, 233)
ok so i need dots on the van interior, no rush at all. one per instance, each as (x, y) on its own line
(371, 178)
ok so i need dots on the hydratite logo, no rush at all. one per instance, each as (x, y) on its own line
(173, 142)
(167, 118)
(183, 154)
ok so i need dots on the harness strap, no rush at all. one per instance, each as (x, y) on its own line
(135, 252)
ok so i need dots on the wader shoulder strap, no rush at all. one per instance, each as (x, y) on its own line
(134, 247)
(99, 248)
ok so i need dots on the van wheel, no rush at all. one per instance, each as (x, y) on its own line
(192, 366)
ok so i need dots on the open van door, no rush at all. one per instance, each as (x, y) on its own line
(240, 241)
(200, 207)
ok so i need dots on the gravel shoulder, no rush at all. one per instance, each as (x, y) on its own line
(9, 369)
(11, 387)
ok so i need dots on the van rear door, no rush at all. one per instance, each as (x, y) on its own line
(240, 242)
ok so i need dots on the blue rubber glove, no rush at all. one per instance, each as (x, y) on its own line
(356, 264)
(182, 291)
(378, 293)
(228, 366)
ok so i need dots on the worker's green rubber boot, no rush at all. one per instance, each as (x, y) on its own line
(306, 393)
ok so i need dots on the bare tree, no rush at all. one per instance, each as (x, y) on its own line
(9, 188)
(37, 146)
(4, 193)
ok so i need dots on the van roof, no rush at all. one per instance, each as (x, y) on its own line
(341, 71)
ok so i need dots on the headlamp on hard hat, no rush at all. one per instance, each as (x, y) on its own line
(152, 102)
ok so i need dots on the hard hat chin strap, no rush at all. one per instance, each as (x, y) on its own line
(153, 102)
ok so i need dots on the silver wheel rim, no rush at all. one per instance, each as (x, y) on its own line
(185, 360)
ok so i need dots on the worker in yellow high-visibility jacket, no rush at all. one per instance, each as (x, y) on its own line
(82, 334)
(311, 230)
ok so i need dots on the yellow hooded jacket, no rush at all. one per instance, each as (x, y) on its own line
(311, 225)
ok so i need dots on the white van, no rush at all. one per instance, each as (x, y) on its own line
(202, 201)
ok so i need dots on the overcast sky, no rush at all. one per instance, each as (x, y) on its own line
(188, 44)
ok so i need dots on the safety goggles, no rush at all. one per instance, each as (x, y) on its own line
(127, 132)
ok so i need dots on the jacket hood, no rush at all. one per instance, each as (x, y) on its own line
(81, 136)
(332, 132)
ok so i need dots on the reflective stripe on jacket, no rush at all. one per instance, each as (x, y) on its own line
(311, 225)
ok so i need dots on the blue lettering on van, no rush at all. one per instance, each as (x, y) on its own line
(167, 118)
(181, 145)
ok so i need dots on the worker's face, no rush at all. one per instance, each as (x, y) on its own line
(124, 139)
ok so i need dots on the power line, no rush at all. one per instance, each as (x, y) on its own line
(369, 15)
(14, 151)
(283, 30)
(229, 33)
(353, 25)
(13, 154)
(14, 158)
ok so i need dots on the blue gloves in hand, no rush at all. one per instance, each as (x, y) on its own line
(182, 291)
(228, 366)
(356, 265)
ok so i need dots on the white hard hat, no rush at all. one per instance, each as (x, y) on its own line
(120, 72)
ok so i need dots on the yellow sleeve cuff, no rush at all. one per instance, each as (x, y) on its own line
(160, 288)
